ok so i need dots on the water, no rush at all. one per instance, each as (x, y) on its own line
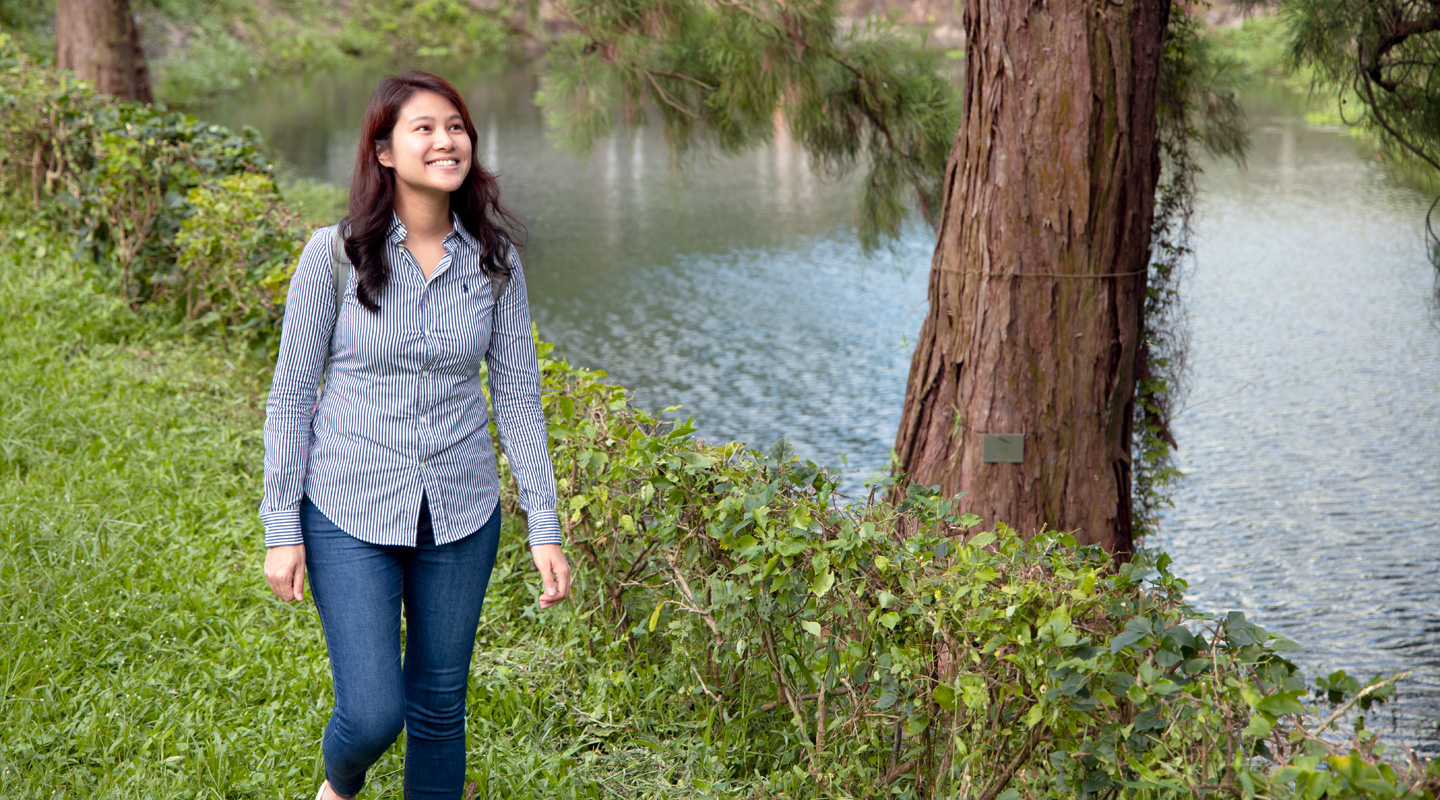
(1310, 443)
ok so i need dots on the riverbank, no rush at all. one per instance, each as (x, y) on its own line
(738, 628)
(1257, 48)
(198, 50)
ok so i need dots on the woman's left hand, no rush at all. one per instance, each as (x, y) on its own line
(554, 573)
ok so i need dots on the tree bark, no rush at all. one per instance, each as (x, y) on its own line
(98, 41)
(1037, 285)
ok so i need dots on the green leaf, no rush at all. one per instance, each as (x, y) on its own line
(655, 616)
(945, 697)
(980, 540)
(696, 459)
(1280, 704)
(1125, 639)
(1259, 726)
(812, 627)
(822, 583)
(890, 620)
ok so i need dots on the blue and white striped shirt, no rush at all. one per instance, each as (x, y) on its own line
(403, 412)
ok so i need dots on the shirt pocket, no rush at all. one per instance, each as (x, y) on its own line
(466, 328)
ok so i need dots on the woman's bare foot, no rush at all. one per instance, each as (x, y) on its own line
(330, 794)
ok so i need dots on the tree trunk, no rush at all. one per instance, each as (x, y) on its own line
(98, 40)
(1037, 285)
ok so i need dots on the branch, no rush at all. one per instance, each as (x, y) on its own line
(683, 77)
(771, 706)
(694, 606)
(871, 113)
(1367, 691)
(1394, 38)
(669, 101)
(1036, 735)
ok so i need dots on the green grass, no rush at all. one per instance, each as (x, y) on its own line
(144, 655)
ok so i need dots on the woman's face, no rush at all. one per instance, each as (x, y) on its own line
(429, 149)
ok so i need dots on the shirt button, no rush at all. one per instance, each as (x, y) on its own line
(422, 419)
(425, 374)
(422, 463)
(427, 331)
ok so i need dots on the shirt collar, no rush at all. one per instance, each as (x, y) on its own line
(398, 232)
(397, 229)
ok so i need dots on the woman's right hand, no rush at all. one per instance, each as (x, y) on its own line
(285, 571)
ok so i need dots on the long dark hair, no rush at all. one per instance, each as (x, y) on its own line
(372, 190)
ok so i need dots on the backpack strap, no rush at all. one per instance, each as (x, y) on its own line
(499, 282)
(340, 267)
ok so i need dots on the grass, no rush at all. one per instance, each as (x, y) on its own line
(145, 656)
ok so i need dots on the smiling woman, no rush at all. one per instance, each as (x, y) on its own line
(385, 488)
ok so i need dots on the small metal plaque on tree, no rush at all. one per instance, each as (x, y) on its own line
(1003, 448)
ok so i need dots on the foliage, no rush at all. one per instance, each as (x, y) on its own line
(1385, 56)
(200, 49)
(237, 237)
(825, 654)
(727, 73)
(1387, 53)
(318, 203)
(124, 178)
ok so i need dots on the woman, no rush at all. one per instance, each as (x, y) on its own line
(386, 493)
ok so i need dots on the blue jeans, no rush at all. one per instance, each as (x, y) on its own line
(359, 590)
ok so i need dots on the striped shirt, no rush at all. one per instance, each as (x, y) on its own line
(403, 412)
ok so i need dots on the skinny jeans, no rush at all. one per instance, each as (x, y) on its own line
(360, 590)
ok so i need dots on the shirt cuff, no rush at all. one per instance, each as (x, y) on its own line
(282, 528)
(544, 527)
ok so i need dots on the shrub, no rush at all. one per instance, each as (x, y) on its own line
(238, 237)
(830, 648)
(123, 178)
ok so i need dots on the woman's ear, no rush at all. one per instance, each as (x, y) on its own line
(382, 154)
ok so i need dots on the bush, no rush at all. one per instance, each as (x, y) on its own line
(828, 648)
(238, 237)
(123, 178)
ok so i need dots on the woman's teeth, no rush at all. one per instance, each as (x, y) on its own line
(444, 163)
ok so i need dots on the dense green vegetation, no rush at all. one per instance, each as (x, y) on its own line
(201, 48)
(739, 628)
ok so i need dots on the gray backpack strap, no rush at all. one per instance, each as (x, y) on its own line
(339, 266)
(499, 282)
(340, 276)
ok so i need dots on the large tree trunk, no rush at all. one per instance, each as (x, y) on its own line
(1037, 286)
(98, 40)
